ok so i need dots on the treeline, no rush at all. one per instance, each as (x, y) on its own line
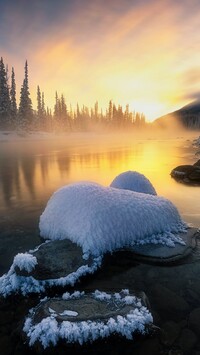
(63, 117)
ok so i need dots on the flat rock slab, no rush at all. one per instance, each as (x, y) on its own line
(52, 264)
(81, 318)
(56, 259)
(164, 254)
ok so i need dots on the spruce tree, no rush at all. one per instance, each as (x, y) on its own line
(39, 102)
(5, 109)
(25, 107)
(44, 116)
(43, 106)
(13, 100)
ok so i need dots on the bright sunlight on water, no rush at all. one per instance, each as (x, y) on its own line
(32, 171)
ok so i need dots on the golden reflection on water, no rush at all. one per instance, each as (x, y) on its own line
(31, 172)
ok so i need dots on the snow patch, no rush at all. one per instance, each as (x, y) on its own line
(69, 313)
(134, 181)
(49, 330)
(103, 219)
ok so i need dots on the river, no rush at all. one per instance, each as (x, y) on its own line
(31, 170)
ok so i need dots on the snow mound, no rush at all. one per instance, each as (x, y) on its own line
(50, 330)
(103, 219)
(134, 181)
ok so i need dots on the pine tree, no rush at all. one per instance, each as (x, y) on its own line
(43, 106)
(5, 109)
(25, 107)
(13, 100)
(96, 111)
(39, 103)
(56, 106)
(110, 111)
(39, 109)
(44, 114)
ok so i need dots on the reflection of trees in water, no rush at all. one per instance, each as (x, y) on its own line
(27, 165)
(63, 162)
(22, 173)
(44, 167)
(9, 177)
(112, 158)
(25, 172)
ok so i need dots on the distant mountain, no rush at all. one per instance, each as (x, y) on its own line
(187, 117)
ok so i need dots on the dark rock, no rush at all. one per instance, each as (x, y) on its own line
(150, 347)
(194, 321)
(197, 163)
(194, 175)
(167, 302)
(187, 340)
(5, 345)
(189, 174)
(170, 332)
(56, 259)
(182, 171)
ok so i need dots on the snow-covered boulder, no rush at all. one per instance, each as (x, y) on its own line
(134, 181)
(80, 318)
(104, 219)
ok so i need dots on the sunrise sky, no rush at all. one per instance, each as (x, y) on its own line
(142, 52)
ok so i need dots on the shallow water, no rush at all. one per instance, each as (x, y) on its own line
(31, 171)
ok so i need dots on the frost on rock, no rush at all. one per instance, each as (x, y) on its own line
(124, 315)
(104, 219)
(134, 181)
(25, 261)
(13, 283)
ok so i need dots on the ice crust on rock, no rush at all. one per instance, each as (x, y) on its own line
(49, 331)
(134, 181)
(104, 219)
(13, 283)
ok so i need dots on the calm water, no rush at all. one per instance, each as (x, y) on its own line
(31, 171)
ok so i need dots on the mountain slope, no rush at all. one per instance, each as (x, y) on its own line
(187, 117)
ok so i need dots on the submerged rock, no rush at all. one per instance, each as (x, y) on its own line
(81, 318)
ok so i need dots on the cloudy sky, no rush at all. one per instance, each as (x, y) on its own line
(142, 52)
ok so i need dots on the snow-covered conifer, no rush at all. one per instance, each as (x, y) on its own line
(25, 106)
(5, 109)
(13, 100)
